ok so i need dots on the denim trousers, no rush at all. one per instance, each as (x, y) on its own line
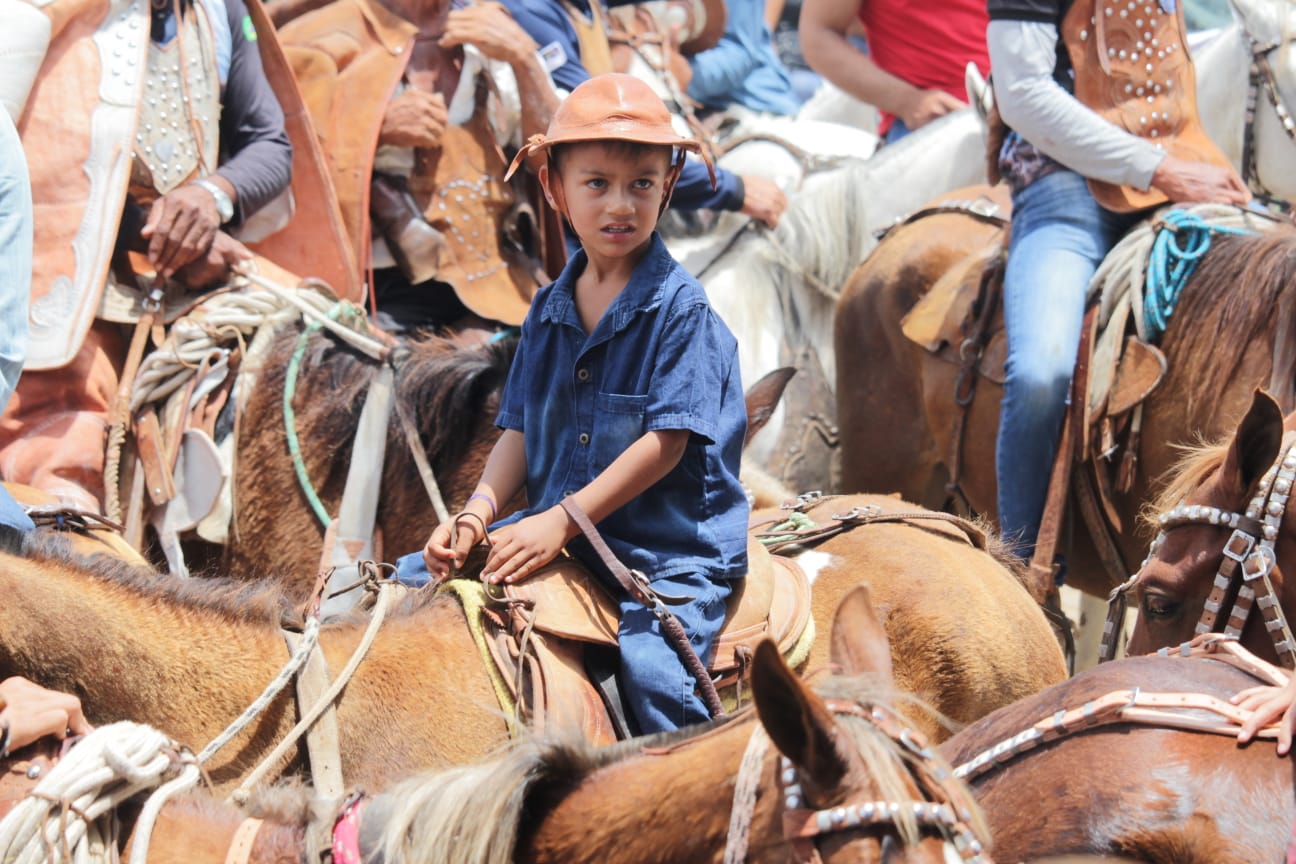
(15, 282)
(1059, 237)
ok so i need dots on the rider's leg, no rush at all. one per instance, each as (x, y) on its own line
(15, 287)
(1059, 236)
(658, 689)
(54, 430)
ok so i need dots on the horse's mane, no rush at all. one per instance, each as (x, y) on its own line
(801, 248)
(256, 602)
(1243, 292)
(441, 381)
(475, 814)
(1198, 462)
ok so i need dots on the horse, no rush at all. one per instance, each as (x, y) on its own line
(1120, 756)
(777, 288)
(951, 245)
(1210, 525)
(718, 790)
(188, 655)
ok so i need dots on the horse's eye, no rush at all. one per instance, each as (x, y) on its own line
(1159, 607)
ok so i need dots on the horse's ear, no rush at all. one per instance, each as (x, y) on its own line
(1255, 446)
(859, 643)
(797, 720)
(763, 397)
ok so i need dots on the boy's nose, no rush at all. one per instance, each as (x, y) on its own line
(620, 202)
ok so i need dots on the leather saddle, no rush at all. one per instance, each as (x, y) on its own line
(539, 631)
(88, 533)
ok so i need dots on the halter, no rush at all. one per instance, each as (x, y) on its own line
(947, 809)
(1247, 561)
(1262, 76)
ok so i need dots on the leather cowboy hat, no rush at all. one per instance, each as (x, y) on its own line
(612, 107)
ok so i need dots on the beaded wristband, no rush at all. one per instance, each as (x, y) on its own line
(483, 496)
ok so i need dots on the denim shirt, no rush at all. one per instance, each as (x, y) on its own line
(660, 358)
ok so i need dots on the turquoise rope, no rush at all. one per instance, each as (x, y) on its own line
(290, 416)
(1179, 245)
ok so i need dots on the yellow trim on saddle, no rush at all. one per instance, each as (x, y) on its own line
(472, 596)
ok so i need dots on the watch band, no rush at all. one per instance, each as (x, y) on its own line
(224, 205)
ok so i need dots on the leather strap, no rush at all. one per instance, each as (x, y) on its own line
(637, 586)
(970, 358)
(240, 850)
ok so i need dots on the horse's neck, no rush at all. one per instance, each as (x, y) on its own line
(685, 790)
(1222, 81)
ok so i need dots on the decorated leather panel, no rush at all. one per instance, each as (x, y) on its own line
(1132, 67)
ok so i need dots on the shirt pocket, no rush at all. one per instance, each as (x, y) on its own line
(618, 423)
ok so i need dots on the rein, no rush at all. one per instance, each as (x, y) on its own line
(947, 808)
(1163, 710)
(1246, 563)
(794, 532)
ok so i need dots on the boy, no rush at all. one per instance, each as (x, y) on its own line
(624, 396)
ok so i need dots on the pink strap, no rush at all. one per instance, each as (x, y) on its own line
(346, 833)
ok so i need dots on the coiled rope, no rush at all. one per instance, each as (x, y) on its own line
(71, 814)
(1181, 241)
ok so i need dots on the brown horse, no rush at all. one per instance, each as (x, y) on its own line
(1175, 584)
(188, 656)
(451, 392)
(1133, 790)
(1231, 331)
(664, 798)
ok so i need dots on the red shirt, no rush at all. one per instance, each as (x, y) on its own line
(926, 43)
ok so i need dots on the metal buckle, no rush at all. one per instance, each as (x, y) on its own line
(804, 500)
(1238, 537)
(859, 514)
(1267, 560)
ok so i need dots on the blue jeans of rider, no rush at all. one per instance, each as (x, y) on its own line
(657, 687)
(1059, 237)
(15, 282)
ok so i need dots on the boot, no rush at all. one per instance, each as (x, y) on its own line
(417, 246)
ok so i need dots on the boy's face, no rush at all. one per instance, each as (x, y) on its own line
(613, 194)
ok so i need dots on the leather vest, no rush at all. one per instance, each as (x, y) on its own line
(178, 130)
(1133, 68)
(592, 34)
(462, 193)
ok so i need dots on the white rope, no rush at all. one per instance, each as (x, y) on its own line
(310, 636)
(70, 816)
(215, 322)
(386, 591)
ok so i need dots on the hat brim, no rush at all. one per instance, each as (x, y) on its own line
(632, 133)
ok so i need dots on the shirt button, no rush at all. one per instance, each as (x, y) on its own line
(583, 438)
(582, 374)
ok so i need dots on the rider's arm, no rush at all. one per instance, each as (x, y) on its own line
(717, 72)
(252, 131)
(824, 26)
(694, 192)
(1030, 100)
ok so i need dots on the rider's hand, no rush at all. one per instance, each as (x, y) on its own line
(1267, 704)
(181, 226)
(1199, 182)
(520, 549)
(415, 118)
(213, 268)
(31, 712)
(450, 543)
(763, 199)
(491, 30)
(925, 106)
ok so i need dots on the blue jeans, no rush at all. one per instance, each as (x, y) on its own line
(1059, 237)
(897, 130)
(15, 282)
(656, 686)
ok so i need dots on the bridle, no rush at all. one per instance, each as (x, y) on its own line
(1246, 561)
(947, 808)
(1261, 76)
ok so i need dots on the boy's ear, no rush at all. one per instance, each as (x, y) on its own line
(544, 176)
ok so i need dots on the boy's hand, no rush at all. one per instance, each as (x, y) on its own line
(1267, 704)
(32, 712)
(450, 543)
(519, 550)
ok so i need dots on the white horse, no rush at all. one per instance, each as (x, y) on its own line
(1264, 29)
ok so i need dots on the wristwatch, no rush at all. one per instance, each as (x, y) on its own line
(224, 205)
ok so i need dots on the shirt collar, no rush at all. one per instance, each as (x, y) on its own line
(393, 31)
(642, 293)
